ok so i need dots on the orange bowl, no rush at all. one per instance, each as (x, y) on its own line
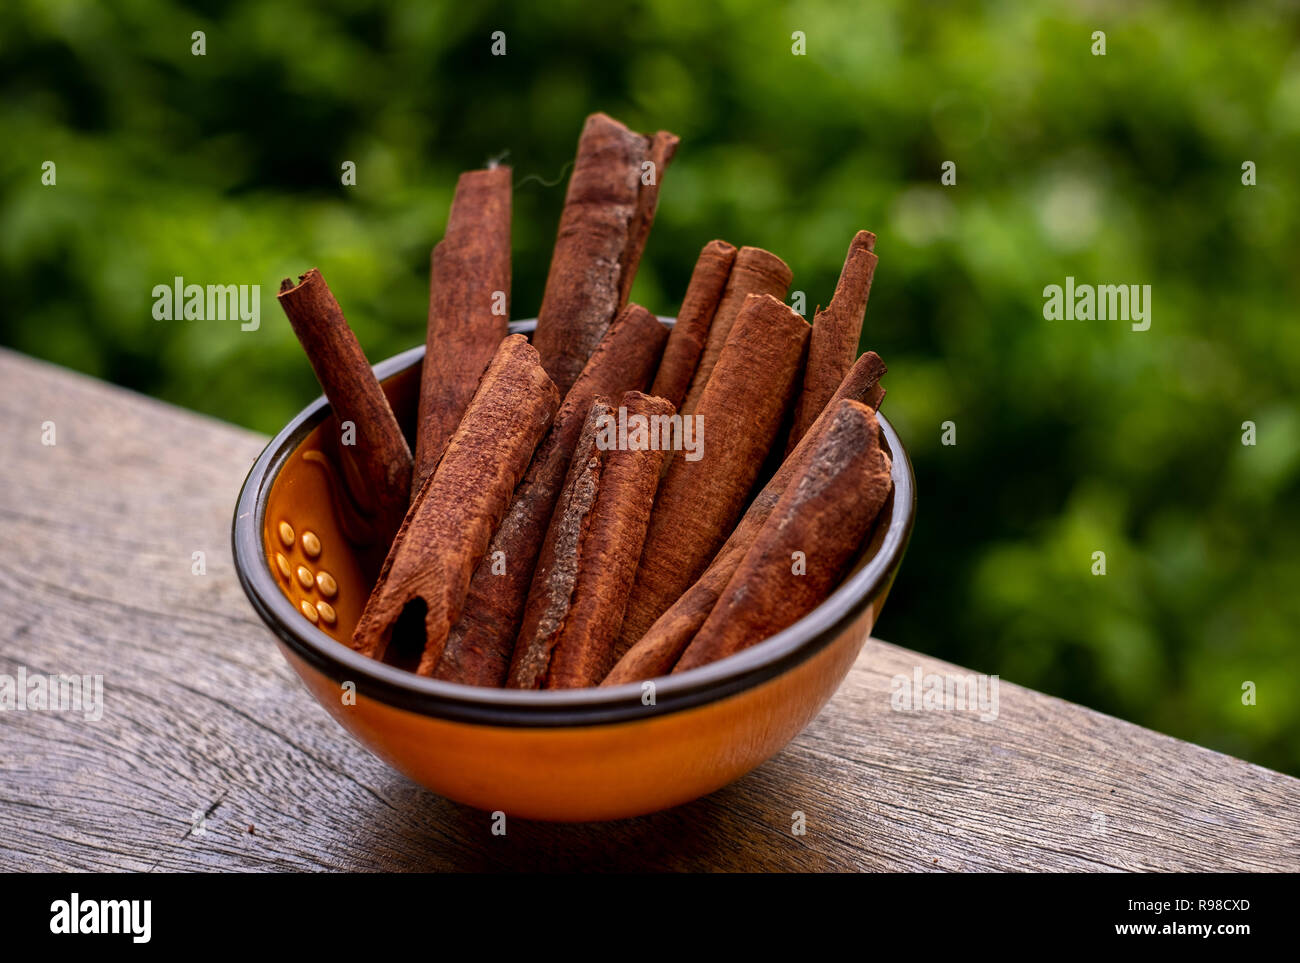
(571, 755)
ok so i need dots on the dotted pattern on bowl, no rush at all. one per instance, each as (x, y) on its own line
(310, 590)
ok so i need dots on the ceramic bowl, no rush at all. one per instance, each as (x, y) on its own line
(573, 755)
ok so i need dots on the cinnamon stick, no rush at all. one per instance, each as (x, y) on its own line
(656, 652)
(450, 523)
(659, 153)
(377, 468)
(469, 308)
(806, 543)
(576, 602)
(736, 422)
(608, 212)
(837, 329)
(686, 342)
(754, 271)
(479, 648)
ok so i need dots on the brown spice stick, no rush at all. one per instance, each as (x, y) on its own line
(451, 521)
(836, 332)
(689, 334)
(480, 646)
(607, 215)
(824, 514)
(736, 422)
(378, 467)
(576, 602)
(656, 652)
(468, 318)
(754, 271)
(659, 153)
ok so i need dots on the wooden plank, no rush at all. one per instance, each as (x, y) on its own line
(202, 716)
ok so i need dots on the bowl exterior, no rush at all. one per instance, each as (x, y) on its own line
(596, 772)
(569, 756)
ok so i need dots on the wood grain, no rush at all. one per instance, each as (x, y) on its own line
(203, 716)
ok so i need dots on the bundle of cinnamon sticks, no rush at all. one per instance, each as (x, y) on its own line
(588, 508)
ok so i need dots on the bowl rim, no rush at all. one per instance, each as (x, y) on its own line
(458, 702)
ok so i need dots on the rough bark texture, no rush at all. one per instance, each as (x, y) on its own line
(480, 645)
(576, 602)
(754, 271)
(451, 521)
(607, 215)
(656, 652)
(823, 515)
(835, 335)
(378, 467)
(467, 319)
(737, 420)
(689, 334)
(662, 147)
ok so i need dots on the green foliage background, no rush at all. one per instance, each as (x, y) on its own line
(1073, 437)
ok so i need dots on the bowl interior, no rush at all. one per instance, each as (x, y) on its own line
(297, 481)
(316, 545)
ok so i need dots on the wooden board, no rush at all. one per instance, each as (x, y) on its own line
(211, 755)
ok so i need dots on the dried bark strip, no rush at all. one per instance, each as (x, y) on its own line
(377, 469)
(479, 649)
(754, 271)
(662, 148)
(835, 335)
(467, 321)
(451, 521)
(737, 420)
(825, 513)
(689, 334)
(576, 602)
(656, 652)
(607, 215)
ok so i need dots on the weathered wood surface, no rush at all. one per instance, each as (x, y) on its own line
(202, 716)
